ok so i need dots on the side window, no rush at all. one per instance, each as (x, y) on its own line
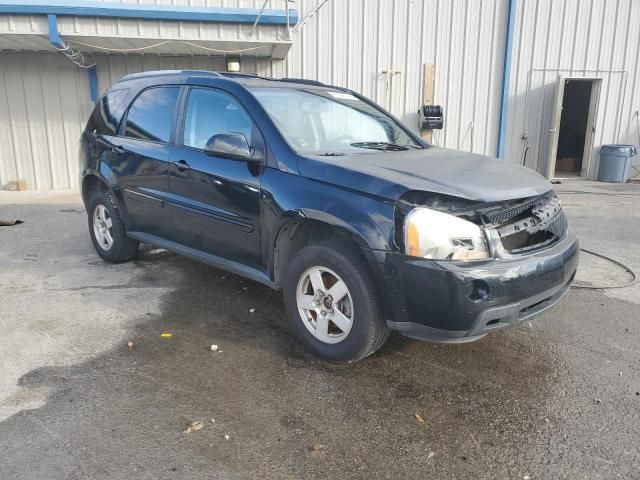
(151, 115)
(210, 112)
(108, 113)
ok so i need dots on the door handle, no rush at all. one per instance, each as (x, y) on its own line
(181, 165)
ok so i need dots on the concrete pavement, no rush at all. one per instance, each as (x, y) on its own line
(557, 397)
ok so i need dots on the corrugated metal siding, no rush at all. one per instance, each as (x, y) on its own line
(111, 68)
(349, 43)
(44, 105)
(156, 29)
(566, 38)
(207, 31)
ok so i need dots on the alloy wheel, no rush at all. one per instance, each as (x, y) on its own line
(103, 227)
(325, 304)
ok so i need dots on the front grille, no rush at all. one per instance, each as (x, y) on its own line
(544, 225)
(558, 226)
(503, 215)
(524, 240)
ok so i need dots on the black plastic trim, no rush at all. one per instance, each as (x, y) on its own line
(200, 256)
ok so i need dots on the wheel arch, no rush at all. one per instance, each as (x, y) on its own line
(91, 183)
(102, 179)
(307, 227)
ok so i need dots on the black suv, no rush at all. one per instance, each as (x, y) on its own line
(317, 191)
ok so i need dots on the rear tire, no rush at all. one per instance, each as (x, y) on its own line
(107, 231)
(342, 329)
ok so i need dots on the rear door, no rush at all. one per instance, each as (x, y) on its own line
(216, 201)
(141, 159)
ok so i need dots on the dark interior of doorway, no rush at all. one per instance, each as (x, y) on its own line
(573, 127)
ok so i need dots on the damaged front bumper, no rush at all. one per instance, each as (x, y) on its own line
(455, 302)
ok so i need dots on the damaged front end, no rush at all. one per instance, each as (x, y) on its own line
(482, 267)
(512, 227)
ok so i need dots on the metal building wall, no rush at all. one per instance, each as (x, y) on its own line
(83, 28)
(350, 42)
(44, 104)
(566, 38)
(110, 68)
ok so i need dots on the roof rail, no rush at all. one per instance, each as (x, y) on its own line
(152, 73)
(303, 80)
(240, 75)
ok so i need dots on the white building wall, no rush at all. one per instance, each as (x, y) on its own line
(566, 38)
(111, 68)
(82, 29)
(350, 42)
(44, 104)
(44, 99)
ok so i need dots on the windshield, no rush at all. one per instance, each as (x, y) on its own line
(330, 122)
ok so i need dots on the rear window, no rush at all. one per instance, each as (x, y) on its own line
(151, 114)
(108, 113)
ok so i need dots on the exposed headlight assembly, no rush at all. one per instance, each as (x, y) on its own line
(440, 236)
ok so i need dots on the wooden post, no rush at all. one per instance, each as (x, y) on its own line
(428, 78)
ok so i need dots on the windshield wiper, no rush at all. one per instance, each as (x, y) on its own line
(330, 154)
(394, 147)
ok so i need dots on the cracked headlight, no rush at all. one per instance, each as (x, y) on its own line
(440, 236)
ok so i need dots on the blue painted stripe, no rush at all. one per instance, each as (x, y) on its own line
(54, 34)
(506, 78)
(93, 83)
(147, 12)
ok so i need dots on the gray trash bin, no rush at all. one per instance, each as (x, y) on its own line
(615, 161)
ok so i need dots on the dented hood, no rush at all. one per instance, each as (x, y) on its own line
(437, 170)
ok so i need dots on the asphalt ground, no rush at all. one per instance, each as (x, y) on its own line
(557, 397)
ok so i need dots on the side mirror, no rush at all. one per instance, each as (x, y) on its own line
(232, 145)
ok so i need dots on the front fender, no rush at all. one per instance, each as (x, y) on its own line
(286, 197)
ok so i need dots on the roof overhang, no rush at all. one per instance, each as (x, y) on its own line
(81, 8)
(109, 27)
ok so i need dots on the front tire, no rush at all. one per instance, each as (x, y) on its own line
(331, 302)
(107, 232)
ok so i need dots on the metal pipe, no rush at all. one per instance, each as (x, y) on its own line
(54, 34)
(506, 77)
(306, 18)
(93, 83)
(255, 24)
(286, 6)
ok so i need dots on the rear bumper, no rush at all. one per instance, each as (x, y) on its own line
(435, 300)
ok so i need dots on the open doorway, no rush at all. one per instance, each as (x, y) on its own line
(574, 118)
(573, 128)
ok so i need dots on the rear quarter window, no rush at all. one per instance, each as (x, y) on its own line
(108, 112)
(151, 114)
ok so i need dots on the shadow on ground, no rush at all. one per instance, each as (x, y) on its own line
(287, 414)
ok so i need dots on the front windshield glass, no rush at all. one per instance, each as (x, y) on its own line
(331, 122)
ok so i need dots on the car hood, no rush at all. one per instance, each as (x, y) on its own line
(438, 170)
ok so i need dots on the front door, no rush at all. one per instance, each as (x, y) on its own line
(554, 131)
(140, 158)
(215, 202)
